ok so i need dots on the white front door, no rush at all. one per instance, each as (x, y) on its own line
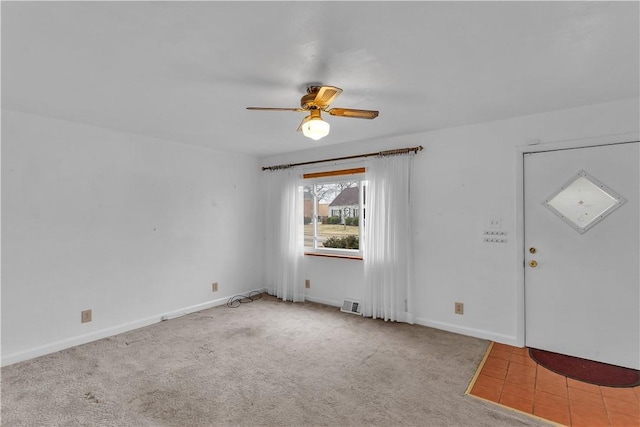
(582, 234)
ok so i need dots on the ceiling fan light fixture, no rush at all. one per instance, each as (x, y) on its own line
(317, 99)
(315, 128)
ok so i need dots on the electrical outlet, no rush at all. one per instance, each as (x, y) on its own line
(214, 287)
(307, 283)
(459, 308)
(85, 316)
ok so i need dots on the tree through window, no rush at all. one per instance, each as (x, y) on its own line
(333, 214)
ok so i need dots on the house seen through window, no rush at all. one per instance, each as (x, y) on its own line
(334, 214)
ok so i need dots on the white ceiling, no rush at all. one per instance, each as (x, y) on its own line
(185, 71)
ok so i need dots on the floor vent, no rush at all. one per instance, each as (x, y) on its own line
(351, 306)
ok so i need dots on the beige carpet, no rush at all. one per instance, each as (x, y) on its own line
(263, 363)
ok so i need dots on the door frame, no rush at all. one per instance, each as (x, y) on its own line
(536, 146)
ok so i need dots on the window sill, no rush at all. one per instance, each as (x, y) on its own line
(358, 257)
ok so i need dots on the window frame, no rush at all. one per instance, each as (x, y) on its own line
(334, 176)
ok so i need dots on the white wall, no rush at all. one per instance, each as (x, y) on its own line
(134, 227)
(464, 177)
(127, 226)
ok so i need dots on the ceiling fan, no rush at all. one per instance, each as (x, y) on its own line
(317, 99)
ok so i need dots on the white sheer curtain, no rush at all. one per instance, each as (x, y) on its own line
(284, 231)
(388, 250)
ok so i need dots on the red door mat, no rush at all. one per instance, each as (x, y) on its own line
(588, 371)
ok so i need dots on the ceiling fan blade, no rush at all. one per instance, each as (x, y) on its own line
(358, 114)
(274, 109)
(326, 95)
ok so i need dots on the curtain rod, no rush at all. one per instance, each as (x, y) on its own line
(357, 156)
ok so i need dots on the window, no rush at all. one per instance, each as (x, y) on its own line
(333, 202)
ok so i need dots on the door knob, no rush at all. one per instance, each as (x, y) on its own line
(533, 263)
(532, 250)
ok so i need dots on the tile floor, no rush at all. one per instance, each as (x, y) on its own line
(511, 378)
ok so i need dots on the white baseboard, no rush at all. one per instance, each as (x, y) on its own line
(53, 347)
(323, 301)
(472, 332)
(21, 356)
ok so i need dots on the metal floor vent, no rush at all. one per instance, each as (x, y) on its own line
(351, 306)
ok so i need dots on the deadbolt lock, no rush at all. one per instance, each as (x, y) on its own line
(532, 250)
(533, 263)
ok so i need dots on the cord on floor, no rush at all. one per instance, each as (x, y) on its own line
(235, 301)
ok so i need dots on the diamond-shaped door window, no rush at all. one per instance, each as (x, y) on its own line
(583, 202)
